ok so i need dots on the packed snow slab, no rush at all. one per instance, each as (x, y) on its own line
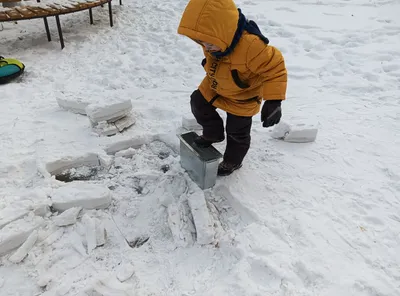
(81, 194)
(67, 162)
(76, 105)
(15, 234)
(90, 160)
(134, 142)
(295, 134)
(109, 112)
(202, 218)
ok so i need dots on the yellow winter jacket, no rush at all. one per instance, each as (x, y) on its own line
(252, 71)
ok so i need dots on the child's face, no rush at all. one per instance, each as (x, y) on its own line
(209, 47)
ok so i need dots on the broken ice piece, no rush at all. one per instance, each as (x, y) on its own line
(128, 153)
(14, 234)
(90, 232)
(23, 250)
(125, 122)
(75, 105)
(180, 233)
(12, 212)
(81, 194)
(125, 272)
(68, 217)
(100, 233)
(99, 112)
(105, 129)
(76, 243)
(202, 218)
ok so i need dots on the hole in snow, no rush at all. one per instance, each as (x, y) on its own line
(138, 242)
(77, 174)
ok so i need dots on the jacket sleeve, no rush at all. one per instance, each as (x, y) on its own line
(268, 63)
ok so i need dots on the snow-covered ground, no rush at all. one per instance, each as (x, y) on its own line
(320, 218)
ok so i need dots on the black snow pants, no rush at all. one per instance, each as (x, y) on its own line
(237, 128)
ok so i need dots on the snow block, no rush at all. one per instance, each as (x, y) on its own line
(68, 217)
(201, 217)
(301, 135)
(180, 231)
(130, 143)
(81, 194)
(297, 134)
(99, 112)
(14, 234)
(23, 250)
(75, 105)
(128, 153)
(68, 162)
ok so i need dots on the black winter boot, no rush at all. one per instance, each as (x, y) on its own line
(225, 168)
(204, 143)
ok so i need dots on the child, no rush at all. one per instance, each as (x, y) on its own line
(242, 70)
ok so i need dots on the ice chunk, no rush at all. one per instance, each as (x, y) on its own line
(58, 166)
(99, 112)
(13, 212)
(128, 153)
(23, 250)
(179, 227)
(202, 219)
(125, 122)
(81, 194)
(106, 128)
(75, 105)
(68, 217)
(90, 233)
(14, 234)
(100, 233)
(296, 134)
(130, 143)
(301, 135)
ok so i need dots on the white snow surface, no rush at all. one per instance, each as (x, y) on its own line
(318, 218)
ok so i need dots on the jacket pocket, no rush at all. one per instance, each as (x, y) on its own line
(239, 83)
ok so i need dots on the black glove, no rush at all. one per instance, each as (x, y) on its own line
(271, 113)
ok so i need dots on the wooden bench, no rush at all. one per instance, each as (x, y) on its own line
(54, 8)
